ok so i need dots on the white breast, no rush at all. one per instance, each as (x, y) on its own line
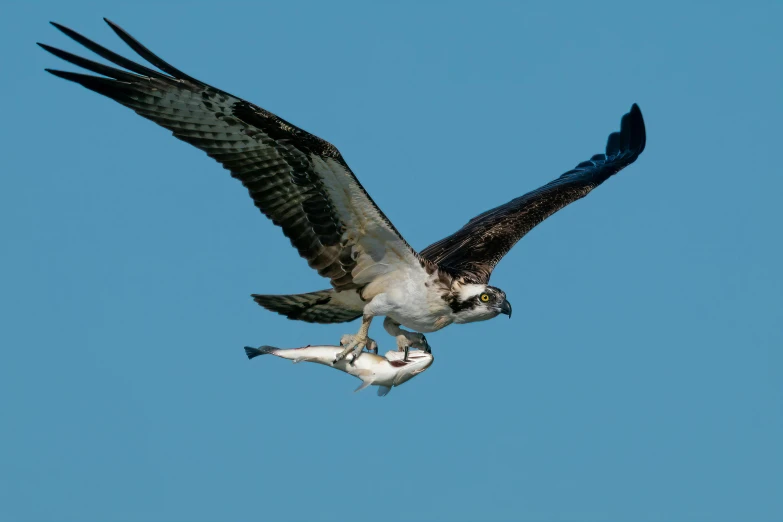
(414, 301)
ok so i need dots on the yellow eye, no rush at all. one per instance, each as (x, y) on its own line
(484, 298)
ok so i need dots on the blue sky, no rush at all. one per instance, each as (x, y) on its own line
(639, 379)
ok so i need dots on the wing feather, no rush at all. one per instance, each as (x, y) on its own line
(301, 182)
(474, 250)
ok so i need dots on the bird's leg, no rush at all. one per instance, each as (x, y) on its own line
(405, 339)
(355, 343)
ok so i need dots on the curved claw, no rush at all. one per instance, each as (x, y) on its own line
(349, 347)
(422, 344)
(354, 345)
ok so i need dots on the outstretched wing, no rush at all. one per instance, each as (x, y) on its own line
(298, 180)
(474, 250)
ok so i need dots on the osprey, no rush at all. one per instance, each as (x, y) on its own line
(303, 184)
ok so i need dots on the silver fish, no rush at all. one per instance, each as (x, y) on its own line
(385, 372)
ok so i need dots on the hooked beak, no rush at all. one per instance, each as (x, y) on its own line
(505, 308)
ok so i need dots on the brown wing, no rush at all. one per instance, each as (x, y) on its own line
(298, 180)
(474, 250)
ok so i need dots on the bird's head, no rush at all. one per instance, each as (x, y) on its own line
(478, 302)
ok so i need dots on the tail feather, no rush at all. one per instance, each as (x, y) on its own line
(255, 352)
(324, 306)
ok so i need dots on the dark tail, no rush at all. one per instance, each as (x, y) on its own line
(255, 352)
(324, 306)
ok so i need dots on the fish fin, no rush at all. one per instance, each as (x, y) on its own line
(366, 376)
(255, 352)
(362, 386)
(383, 391)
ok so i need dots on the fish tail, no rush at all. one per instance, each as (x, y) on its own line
(255, 352)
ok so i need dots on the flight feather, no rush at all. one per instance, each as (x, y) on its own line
(301, 182)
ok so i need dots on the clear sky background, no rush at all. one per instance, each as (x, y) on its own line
(641, 377)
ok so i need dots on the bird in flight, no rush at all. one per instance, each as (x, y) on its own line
(303, 184)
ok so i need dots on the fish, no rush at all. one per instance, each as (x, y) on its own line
(393, 369)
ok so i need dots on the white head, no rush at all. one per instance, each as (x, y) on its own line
(478, 302)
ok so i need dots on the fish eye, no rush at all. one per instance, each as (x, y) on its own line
(484, 298)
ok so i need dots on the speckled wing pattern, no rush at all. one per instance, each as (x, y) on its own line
(298, 180)
(474, 250)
